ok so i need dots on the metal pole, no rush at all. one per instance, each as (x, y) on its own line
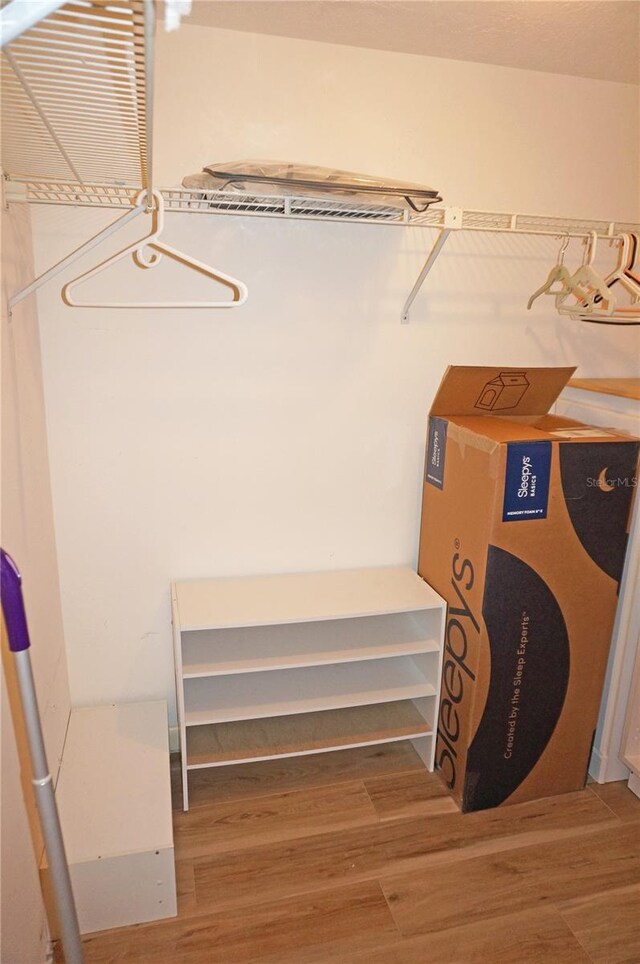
(149, 39)
(19, 643)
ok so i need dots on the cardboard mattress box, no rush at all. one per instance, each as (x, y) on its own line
(525, 520)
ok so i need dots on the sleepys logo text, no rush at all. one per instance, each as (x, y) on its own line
(456, 674)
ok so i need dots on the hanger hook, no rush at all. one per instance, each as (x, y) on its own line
(156, 210)
(144, 260)
(591, 241)
(156, 202)
(563, 248)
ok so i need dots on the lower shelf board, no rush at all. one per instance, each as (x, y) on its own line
(245, 740)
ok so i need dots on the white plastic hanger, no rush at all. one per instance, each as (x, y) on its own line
(623, 272)
(136, 250)
(628, 281)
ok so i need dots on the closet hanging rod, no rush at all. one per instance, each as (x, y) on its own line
(444, 219)
(457, 219)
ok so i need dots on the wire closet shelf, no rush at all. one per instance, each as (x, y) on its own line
(77, 129)
(76, 95)
(121, 197)
(77, 126)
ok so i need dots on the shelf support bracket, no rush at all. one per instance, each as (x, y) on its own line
(73, 256)
(452, 220)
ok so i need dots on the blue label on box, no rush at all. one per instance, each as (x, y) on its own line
(526, 485)
(436, 451)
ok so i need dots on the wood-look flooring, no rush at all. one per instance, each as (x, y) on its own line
(361, 856)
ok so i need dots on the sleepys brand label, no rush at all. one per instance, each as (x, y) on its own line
(526, 484)
(436, 451)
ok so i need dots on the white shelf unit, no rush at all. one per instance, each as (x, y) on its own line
(274, 666)
(114, 801)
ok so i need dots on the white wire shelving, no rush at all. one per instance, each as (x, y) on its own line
(77, 129)
(121, 197)
(75, 95)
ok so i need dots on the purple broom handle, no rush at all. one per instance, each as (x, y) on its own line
(18, 634)
(13, 604)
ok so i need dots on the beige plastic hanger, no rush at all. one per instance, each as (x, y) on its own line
(143, 260)
(560, 273)
(586, 285)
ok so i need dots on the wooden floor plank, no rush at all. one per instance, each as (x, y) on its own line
(185, 886)
(351, 915)
(409, 794)
(619, 798)
(548, 882)
(238, 824)
(396, 846)
(535, 937)
(607, 925)
(514, 879)
(219, 784)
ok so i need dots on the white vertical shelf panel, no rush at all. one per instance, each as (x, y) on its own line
(114, 800)
(127, 745)
(178, 668)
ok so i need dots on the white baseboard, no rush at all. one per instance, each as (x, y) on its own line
(596, 766)
(603, 769)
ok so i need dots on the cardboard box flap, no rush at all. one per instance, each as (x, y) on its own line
(471, 390)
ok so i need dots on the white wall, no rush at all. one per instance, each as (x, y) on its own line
(28, 535)
(288, 434)
(490, 138)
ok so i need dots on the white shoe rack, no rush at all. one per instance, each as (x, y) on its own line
(276, 666)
